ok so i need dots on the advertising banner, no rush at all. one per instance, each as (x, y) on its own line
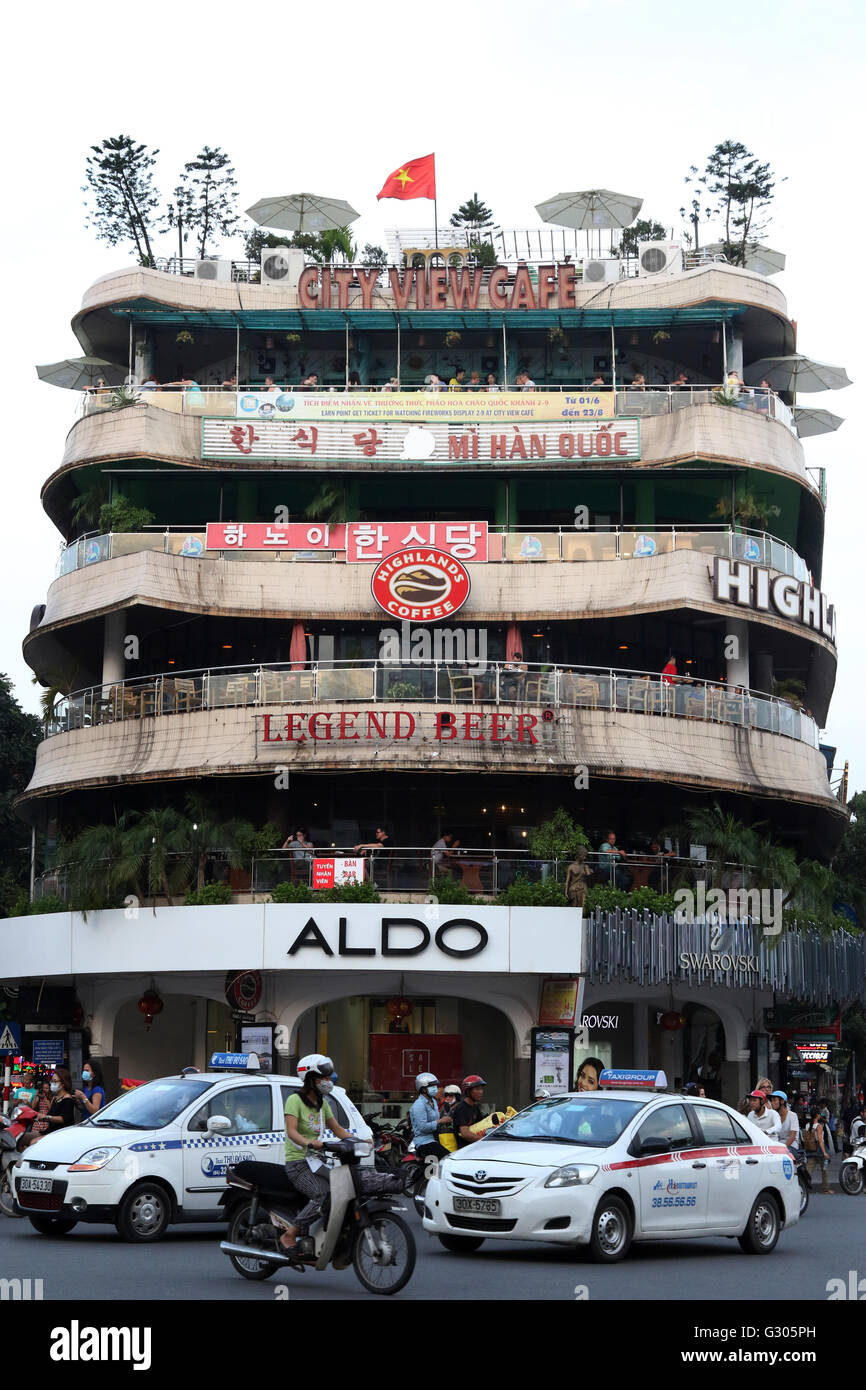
(558, 1005)
(329, 873)
(264, 535)
(506, 407)
(551, 1065)
(455, 441)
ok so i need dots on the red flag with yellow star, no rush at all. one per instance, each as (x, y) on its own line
(414, 179)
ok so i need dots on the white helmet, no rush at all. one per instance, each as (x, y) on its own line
(425, 1078)
(316, 1062)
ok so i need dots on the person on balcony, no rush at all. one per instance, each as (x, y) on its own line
(492, 384)
(638, 382)
(598, 381)
(270, 388)
(620, 876)
(230, 383)
(474, 382)
(372, 847)
(440, 854)
(681, 379)
(432, 382)
(301, 848)
(456, 382)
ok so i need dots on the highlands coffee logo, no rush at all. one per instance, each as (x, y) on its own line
(421, 586)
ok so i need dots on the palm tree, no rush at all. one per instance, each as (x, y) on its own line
(87, 506)
(158, 835)
(203, 831)
(335, 244)
(109, 850)
(57, 681)
(331, 503)
(728, 840)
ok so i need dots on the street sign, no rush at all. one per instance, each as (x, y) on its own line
(10, 1039)
(48, 1052)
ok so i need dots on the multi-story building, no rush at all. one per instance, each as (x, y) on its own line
(362, 602)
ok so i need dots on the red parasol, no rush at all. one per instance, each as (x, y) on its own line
(298, 648)
(513, 643)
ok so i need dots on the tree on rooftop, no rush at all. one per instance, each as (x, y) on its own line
(205, 198)
(743, 189)
(474, 215)
(374, 255)
(19, 739)
(124, 203)
(642, 230)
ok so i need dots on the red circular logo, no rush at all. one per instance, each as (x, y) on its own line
(421, 585)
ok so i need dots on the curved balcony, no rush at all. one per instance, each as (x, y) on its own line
(360, 716)
(517, 546)
(675, 429)
(491, 684)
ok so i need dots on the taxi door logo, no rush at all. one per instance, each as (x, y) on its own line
(787, 1167)
(422, 586)
(216, 1165)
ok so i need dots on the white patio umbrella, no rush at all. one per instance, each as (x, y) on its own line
(302, 212)
(809, 421)
(74, 373)
(796, 373)
(762, 259)
(592, 208)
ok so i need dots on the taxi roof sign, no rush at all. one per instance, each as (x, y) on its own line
(633, 1080)
(234, 1061)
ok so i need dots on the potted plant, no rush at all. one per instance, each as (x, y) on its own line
(453, 338)
(557, 336)
(661, 336)
(184, 338)
(402, 690)
(749, 509)
(293, 338)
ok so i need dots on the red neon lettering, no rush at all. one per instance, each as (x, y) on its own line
(604, 443)
(616, 443)
(546, 284)
(469, 728)
(401, 292)
(530, 721)
(444, 730)
(377, 722)
(497, 446)
(309, 276)
(518, 448)
(465, 289)
(267, 734)
(314, 720)
(566, 446)
(404, 714)
(565, 285)
(291, 720)
(343, 276)
(458, 447)
(496, 720)
(498, 276)
(325, 301)
(523, 295)
(438, 287)
(584, 446)
(344, 727)
(367, 280)
(538, 446)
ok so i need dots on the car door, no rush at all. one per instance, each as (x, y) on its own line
(253, 1133)
(673, 1184)
(733, 1169)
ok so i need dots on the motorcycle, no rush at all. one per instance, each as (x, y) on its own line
(12, 1130)
(853, 1171)
(390, 1143)
(804, 1177)
(363, 1227)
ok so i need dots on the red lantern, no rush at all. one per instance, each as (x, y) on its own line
(672, 1021)
(150, 1005)
(399, 1008)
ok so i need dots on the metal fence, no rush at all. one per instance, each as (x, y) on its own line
(514, 684)
(801, 963)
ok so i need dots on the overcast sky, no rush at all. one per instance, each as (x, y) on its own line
(517, 104)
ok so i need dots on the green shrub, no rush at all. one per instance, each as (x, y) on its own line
(123, 515)
(50, 903)
(558, 838)
(212, 895)
(604, 898)
(648, 900)
(292, 893)
(403, 690)
(448, 890)
(522, 893)
(349, 893)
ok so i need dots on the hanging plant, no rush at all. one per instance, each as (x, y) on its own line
(452, 338)
(557, 335)
(661, 336)
(184, 338)
(293, 337)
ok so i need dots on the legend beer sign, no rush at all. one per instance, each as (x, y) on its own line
(765, 591)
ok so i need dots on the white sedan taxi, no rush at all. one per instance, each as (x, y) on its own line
(160, 1154)
(603, 1168)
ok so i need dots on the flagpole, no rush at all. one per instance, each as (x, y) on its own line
(435, 210)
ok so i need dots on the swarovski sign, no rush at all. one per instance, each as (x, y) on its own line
(765, 591)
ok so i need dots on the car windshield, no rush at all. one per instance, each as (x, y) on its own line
(152, 1106)
(595, 1122)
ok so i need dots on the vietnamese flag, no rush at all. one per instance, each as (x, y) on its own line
(415, 179)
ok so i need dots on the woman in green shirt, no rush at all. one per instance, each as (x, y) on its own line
(308, 1115)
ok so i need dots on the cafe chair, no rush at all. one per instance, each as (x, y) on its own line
(541, 688)
(462, 686)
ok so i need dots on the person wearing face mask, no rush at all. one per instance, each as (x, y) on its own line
(425, 1118)
(92, 1097)
(308, 1115)
(62, 1110)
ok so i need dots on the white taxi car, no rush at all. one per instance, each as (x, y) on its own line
(159, 1154)
(607, 1167)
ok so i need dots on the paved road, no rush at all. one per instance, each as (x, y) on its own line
(91, 1262)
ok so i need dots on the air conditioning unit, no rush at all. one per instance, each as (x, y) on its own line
(213, 270)
(282, 266)
(660, 258)
(596, 272)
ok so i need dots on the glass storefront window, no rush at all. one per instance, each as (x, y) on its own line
(422, 1019)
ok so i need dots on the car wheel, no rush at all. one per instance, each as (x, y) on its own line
(144, 1213)
(52, 1225)
(462, 1245)
(611, 1231)
(763, 1226)
(851, 1179)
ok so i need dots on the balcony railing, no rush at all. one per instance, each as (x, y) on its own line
(539, 545)
(631, 401)
(412, 869)
(437, 682)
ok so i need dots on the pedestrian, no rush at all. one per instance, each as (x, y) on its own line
(62, 1109)
(425, 1118)
(92, 1097)
(26, 1093)
(815, 1136)
(42, 1105)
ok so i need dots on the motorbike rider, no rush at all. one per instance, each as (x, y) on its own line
(308, 1115)
(858, 1126)
(468, 1111)
(761, 1115)
(789, 1131)
(425, 1118)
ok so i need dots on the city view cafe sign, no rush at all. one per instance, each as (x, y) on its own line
(440, 287)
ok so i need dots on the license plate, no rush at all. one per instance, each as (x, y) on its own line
(486, 1206)
(34, 1184)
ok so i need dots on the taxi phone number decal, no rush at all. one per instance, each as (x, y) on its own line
(674, 1201)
